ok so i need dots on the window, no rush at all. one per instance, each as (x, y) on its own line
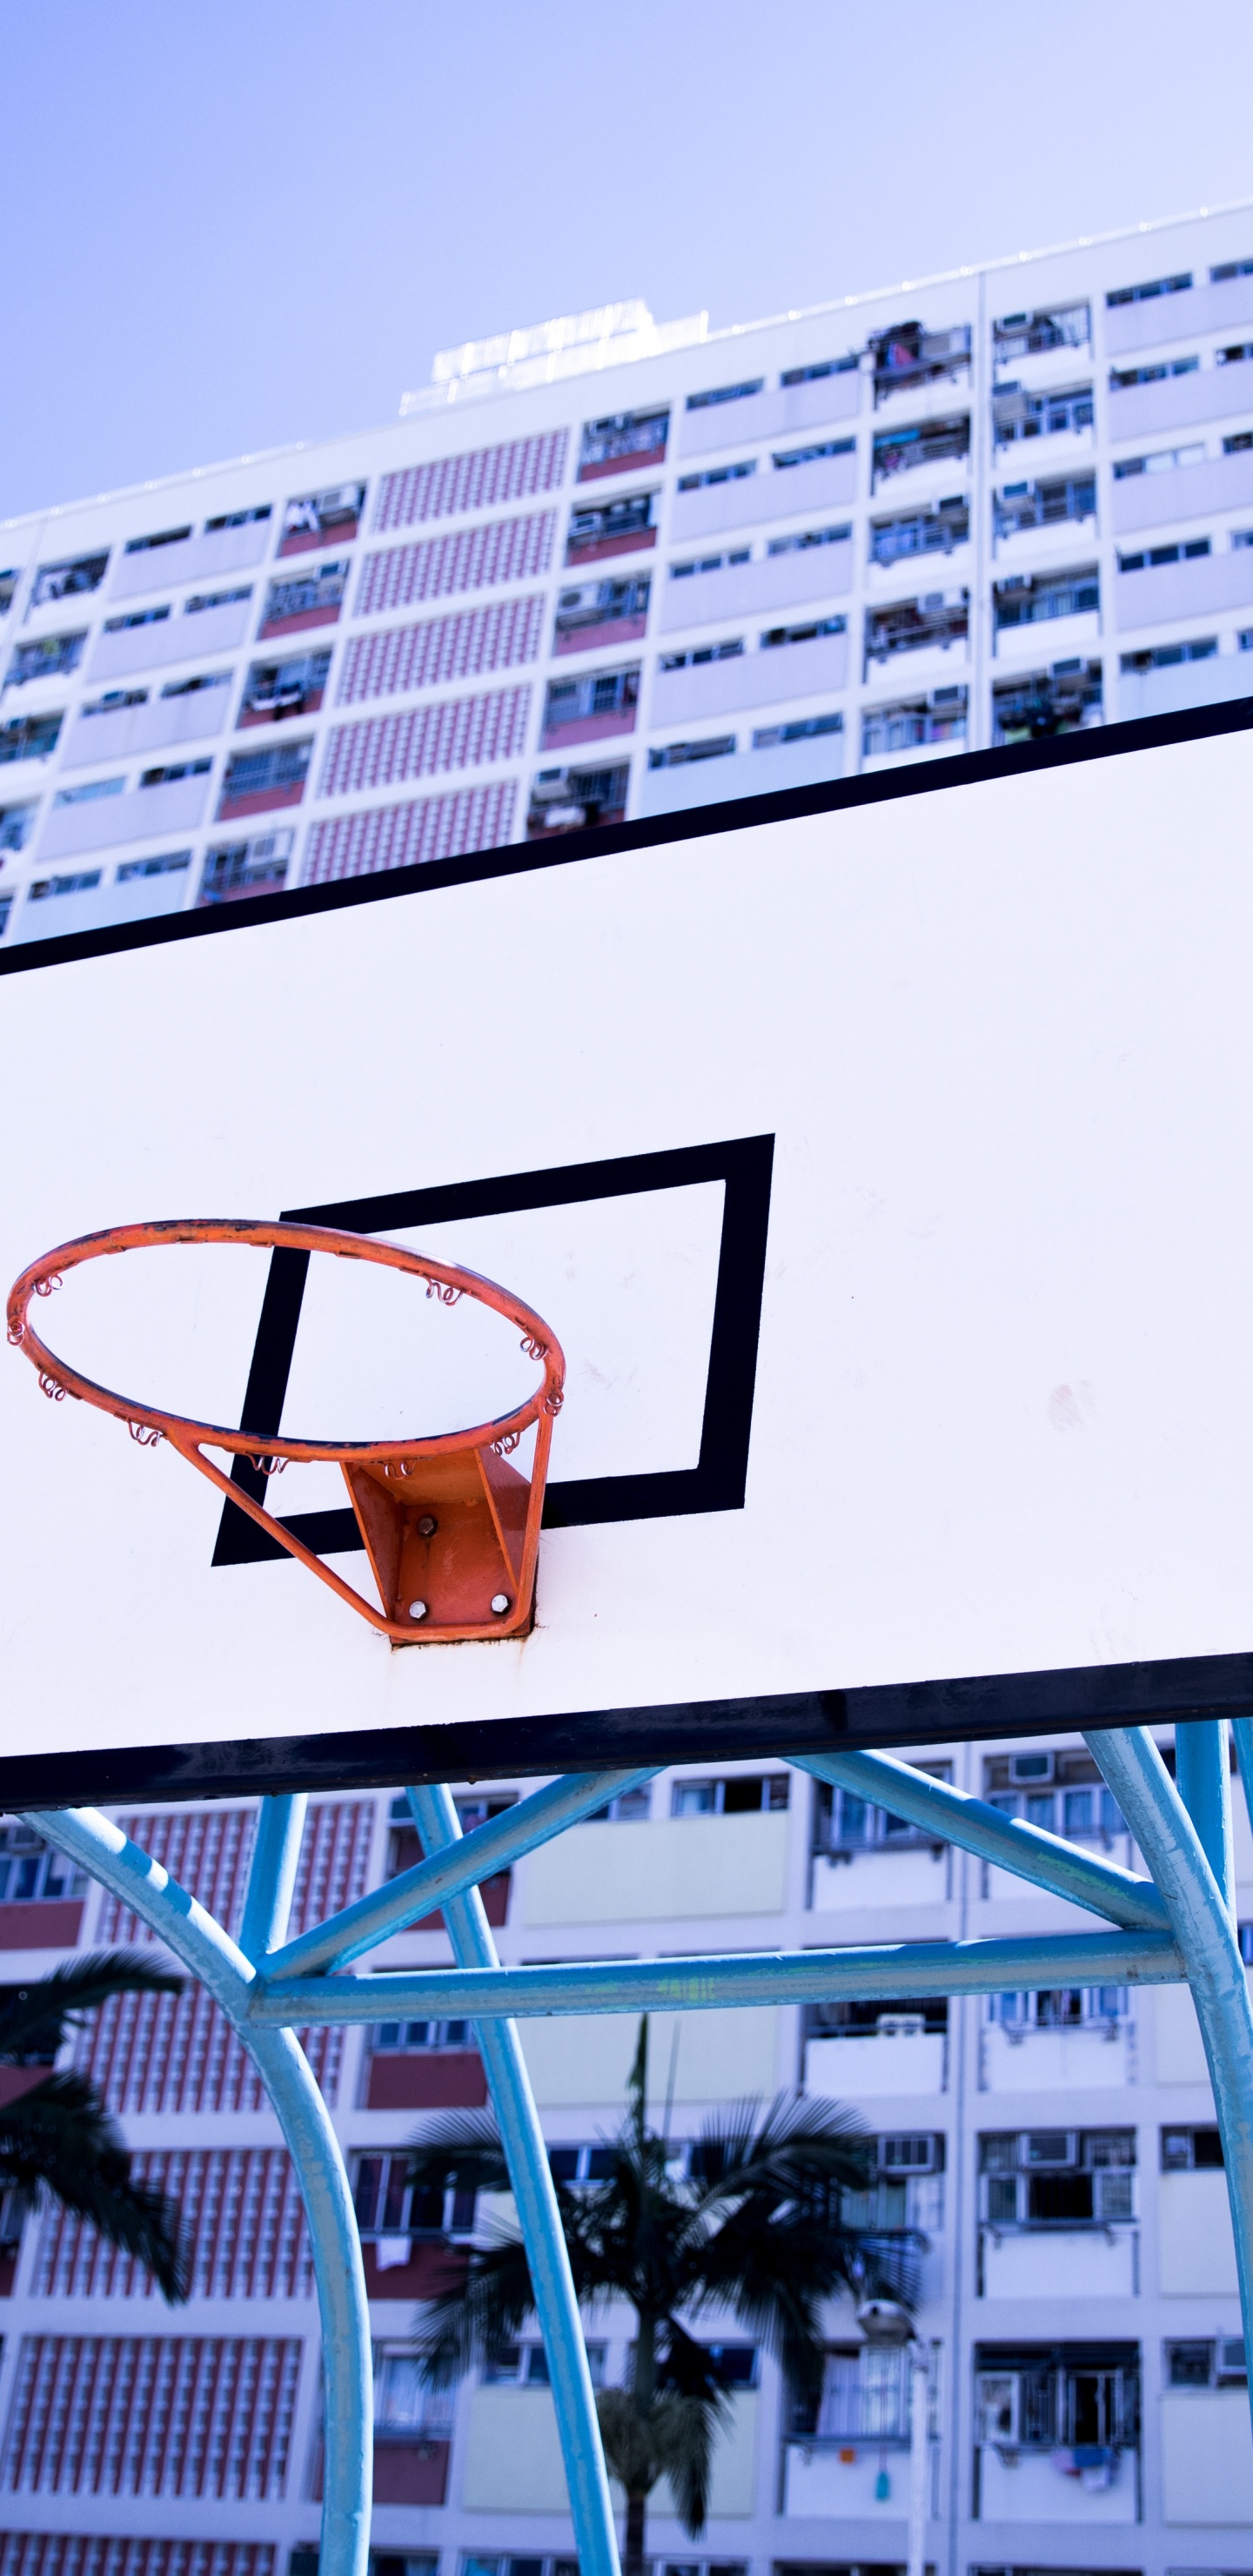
(800, 729)
(29, 1872)
(1182, 552)
(1235, 356)
(83, 882)
(710, 563)
(1164, 460)
(390, 2035)
(718, 474)
(844, 1823)
(237, 519)
(475, 2565)
(1057, 2177)
(172, 865)
(903, 2199)
(765, 1793)
(1019, 506)
(939, 618)
(174, 771)
(807, 537)
(387, 2205)
(166, 537)
(622, 438)
(725, 394)
(1063, 2008)
(304, 599)
(1121, 379)
(206, 599)
(16, 823)
(293, 687)
(905, 2017)
(928, 442)
(603, 699)
(909, 355)
(191, 688)
(563, 800)
(1023, 335)
(404, 2407)
(823, 367)
(1212, 2361)
(49, 658)
(136, 617)
(1162, 657)
(1030, 709)
(1230, 268)
(1063, 1791)
(1028, 599)
(865, 2396)
(279, 771)
(813, 454)
(581, 2164)
(67, 580)
(921, 532)
(679, 755)
(807, 634)
(525, 2365)
(912, 725)
(1155, 286)
(8, 585)
(633, 1807)
(1072, 2396)
(691, 656)
(114, 702)
(595, 604)
(29, 737)
(612, 527)
(87, 795)
(329, 518)
(235, 868)
(1192, 2150)
(1018, 414)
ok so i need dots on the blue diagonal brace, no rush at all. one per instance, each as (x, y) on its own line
(953, 1816)
(445, 1874)
(556, 2305)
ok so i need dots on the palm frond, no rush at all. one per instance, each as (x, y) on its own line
(463, 2149)
(59, 2139)
(34, 2018)
(671, 2438)
(486, 2306)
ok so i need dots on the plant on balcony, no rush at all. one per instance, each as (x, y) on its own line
(748, 2226)
(57, 2139)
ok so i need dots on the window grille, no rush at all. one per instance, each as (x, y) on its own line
(474, 559)
(241, 2217)
(58, 2553)
(1070, 1797)
(1023, 335)
(1043, 505)
(563, 800)
(472, 482)
(255, 866)
(1062, 2008)
(909, 355)
(680, 755)
(260, 773)
(402, 836)
(48, 657)
(760, 1793)
(312, 596)
(1030, 709)
(1031, 598)
(623, 525)
(29, 1871)
(620, 439)
(725, 394)
(908, 625)
(1058, 2177)
(922, 532)
(582, 611)
(1154, 286)
(67, 580)
(594, 693)
(1192, 2150)
(441, 648)
(1122, 379)
(387, 2203)
(455, 733)
(1074, 2397)
(30, 737)
(164, 2415)
(905, 727)
(1017, 414)
(291, 687)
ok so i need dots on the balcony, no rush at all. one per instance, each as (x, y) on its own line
(1058, 2263)
(883, 2050)
(1043, 2487)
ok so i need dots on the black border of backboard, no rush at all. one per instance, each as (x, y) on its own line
(927, 1711)
(715, 1484)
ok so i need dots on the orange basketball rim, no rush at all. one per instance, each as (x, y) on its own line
(451, 1529)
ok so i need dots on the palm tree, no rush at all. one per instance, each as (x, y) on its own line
(749, 2226)
(56, 2137)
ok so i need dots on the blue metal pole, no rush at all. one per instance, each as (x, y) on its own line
(1242, 1730)
(556, 2306)
(1203, 1775)
(96, 1845)
(415, 1892)
(989, 1967)
(272, 1875)
(953, 1816)
(1206, 1934)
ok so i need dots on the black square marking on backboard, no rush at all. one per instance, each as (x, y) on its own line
(715, 1484)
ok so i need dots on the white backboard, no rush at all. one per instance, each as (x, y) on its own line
(885, 1171)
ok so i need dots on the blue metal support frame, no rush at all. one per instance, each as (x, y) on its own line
(1177, 1924)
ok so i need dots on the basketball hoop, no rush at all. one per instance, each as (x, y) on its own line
(450, 1528)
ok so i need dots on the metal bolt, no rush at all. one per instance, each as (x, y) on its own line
(500, 1603)
(417, 1609)
(428, 1525)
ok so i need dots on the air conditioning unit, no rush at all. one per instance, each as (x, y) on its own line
(1032, 1770)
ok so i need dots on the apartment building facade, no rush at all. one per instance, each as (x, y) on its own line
(611, 569)
(1047, 2177)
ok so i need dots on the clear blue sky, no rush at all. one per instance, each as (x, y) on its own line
(254, 220)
